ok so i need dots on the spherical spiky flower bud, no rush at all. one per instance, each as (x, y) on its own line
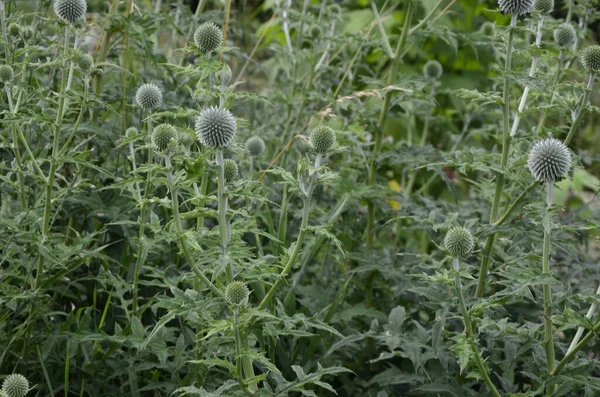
(322, 139)
(237, 294)
(216, 127)
(544, 7)
(590, 59)
(14, 30)
(515, 7)
(459, 242)
(15, 385)
(148, 96)
(6, 74)
(488, 28)
(549, 160)
(84, 62)
(230, 169)
(433, 69)
(565, 35)
(208, 37)
(70, 10)
(162, 135)
(255, 146)
(131, 132)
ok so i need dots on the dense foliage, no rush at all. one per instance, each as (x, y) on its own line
(362, 198)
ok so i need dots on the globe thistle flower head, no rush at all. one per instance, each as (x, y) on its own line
(237, 294)
(70, 11)
(565, 35)
(84, 62)
(208, 37)
(549, 160)
(15, 385)
(433, 69)
(131, 132)
(544, 7)
(322, 139)
(459, 242)
(488, 28)
(148, 96)
(230, 169)
(28, 32)
(255, 146)
(515, 7)
(590, 59)
(14, 30)
(216, 127)
(162, 136)
(6, 74)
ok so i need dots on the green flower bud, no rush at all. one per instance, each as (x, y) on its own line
(237, 294)
(255, 146)
(433, 69)
(590, 59)
(84, 62)
(14, 30)
(6, 74)
(544, 7)
(459, 242)
(322, 139)
(208, 37)
(216, 127)
(162, 135)
(549, 160)
(70, 10)
(488, 28)
(131, 132)
(230, 169)
(565, 35)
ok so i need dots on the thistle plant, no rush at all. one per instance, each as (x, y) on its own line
(15, 385)
(208, 37)
(549, 161)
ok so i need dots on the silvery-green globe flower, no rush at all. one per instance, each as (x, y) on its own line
(544, 7)
(515, 7)
(162, 135)
(84, 62)
(255, 146)
(230, 169)
(433, 69)
(208, 37)
(148, 96)
(549, 160)
(488, 28)
(322, 139)
(70, 10)
(565, 35)
(131, 132)
(459, 242)
(14, 30)
(590, 59)
(216, 127)
(15, 385)
(237, 294)
(6, 74)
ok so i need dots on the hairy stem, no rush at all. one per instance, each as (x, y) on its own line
(547, 291)
(223, 221)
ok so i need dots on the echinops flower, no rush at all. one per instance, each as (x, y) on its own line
(515, 7)
(549, 160)
(15, 385)
(14, 30)
(148, 96)
(216, 127)
(459, 242)
(590, 59)
(162, 135)
(6, 74)
(208, 37)
(544, 7)
(237, 294)
(322, 139)
(230, 169)
(565, 35)
(70, 10)
(433, 69)
(84, 62)
(255, 146)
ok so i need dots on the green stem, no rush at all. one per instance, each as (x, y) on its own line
(580, 330)
(4, 34)
(303, 229)
(17, 152)
(223, 221)
(579, 111)
(547, 291)
(239, 350)
(506, 139)
(470, 332)
(178, 224)
(372, 177)
(53, 160)
(571, 354)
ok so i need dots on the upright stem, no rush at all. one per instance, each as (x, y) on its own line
(470, 332)
(548, 332)
(372, 178)
(579, 112)
(532, 70)
(580, 330)
(4, 35)
(223, 221)
(303, 229)
(178, 224)
(491, 239)
(53, 160)
(17, 152)
(571, 354)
